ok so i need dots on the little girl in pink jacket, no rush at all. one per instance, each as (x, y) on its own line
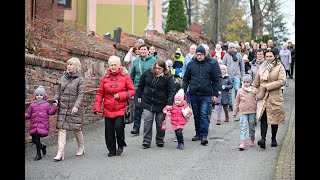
(179, 113)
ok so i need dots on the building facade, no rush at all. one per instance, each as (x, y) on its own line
(103, 16)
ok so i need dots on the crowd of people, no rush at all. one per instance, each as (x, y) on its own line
(172, 90)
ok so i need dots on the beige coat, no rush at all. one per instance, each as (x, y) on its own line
(273, 100)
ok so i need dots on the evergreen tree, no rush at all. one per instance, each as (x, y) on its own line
(176, 19)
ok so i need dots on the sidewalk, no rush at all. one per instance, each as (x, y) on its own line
(285, 165)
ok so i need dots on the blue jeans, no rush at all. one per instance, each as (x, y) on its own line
(236, 86)
(245, 120)
(200, 107)
(137, 114)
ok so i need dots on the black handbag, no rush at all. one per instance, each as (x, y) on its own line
(128, 117)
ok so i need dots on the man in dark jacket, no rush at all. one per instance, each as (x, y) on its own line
(203, 76)
(292, 50)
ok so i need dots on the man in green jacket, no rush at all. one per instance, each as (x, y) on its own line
(139, 65)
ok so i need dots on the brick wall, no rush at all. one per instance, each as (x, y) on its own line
(45, 9)
(28, 8)
(48, 62)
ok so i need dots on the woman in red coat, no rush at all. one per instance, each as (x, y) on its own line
(115, 88)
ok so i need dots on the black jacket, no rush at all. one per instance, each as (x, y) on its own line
(155, 92)
(203, 77)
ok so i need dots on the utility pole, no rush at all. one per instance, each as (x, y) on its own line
(132, 17)
(218, 21)
(150, 25)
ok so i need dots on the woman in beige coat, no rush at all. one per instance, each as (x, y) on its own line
(70, 95)
(270, 77)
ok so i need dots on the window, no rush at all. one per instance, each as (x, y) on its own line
(68, 4)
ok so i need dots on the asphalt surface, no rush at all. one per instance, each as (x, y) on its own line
(220, 159)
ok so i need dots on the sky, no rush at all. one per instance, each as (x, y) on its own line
(288, 9)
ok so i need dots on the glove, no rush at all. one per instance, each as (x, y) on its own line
(223, 87)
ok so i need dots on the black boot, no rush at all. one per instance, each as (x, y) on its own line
(119, 151)
(262, 143)
(180, 139)
(38, 157)
(274, 143)
(44, 150)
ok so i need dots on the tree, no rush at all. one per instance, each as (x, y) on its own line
(274, 22)
(188, 8)
(176, 19)
(237, 28)
(165, 5)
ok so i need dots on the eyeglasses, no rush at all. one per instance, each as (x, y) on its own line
(158, 68)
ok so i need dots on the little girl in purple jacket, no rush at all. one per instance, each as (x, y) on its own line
(38, 113)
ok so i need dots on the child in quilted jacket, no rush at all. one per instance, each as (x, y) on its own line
(38, 113)
(179, 113)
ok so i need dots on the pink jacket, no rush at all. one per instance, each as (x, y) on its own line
(39, 118)
(245, 102)
(177, 118)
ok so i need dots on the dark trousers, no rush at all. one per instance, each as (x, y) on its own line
(264, 127)
(137, 113)
(291, 69)
(179, 136)
(114, 130)
(37, 142)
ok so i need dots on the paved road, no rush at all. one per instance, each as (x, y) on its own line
(221, 159)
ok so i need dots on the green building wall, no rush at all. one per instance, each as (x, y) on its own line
(82, 12)
(111, 16)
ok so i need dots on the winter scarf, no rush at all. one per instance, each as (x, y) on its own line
(268, 67)
(233, 55)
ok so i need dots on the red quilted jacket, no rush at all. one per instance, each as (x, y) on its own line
(111, 84)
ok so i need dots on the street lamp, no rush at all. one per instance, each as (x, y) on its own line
(150, 25)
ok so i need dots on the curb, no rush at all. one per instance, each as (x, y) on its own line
(285, 165)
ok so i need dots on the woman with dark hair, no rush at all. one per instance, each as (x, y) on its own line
(270, 77)
(155, 91)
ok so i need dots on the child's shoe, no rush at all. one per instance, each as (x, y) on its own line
(226, 119)
(251, 142)
(218, 121)
(242, 145)
(180, 146)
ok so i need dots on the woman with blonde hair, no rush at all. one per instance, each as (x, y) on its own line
(114, 91)
(69, 96)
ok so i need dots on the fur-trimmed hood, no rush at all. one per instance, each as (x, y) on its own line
(122, 70)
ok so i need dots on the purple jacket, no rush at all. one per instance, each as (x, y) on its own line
(39, 115)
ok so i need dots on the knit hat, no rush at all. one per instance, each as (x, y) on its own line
(169, 63)
(40, 90)
(140, 41)
(218, 46)
(223, 66)
(178, 51)
(247, 78)
(179, 95)
(201, 50)
(231, 45)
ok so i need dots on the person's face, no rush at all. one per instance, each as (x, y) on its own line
(233, 49)
(263, 46)
(70, 68)
(223, 71)
(39, 97)
(269, 56)
(152, 50)
(158, 69)
(114, 67)
(137, 52)
(177, 55)
(177, 101)
(259, 55)
(246, 84)
(285, 46)
(200, 56)
(192, 50)
(289, 44)
(144, 51)
(255, 46)
(270, 43)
